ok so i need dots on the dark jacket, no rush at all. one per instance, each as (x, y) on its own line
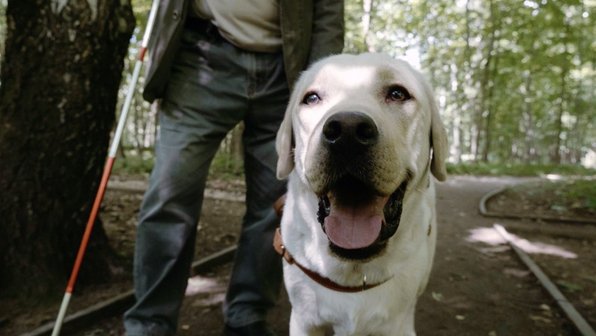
(310, 29)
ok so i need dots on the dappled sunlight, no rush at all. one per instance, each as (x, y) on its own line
(491, 237)
(486, 235)
(201, 285)
(554, 177)
(542, 248)
(211, 300)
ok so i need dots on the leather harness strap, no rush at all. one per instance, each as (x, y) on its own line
(321, 280)
(278, 206)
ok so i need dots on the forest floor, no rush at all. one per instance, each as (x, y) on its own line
(478, 285)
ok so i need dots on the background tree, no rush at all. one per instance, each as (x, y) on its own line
(59, 78)
(515, 79)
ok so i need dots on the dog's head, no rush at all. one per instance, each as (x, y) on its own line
(359, 132)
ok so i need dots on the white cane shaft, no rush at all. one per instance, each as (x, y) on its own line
(150, 23)
(61, 314)
(134, 80)
(125, 109)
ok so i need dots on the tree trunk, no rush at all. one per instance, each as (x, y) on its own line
(60, 75)
(527, 122)
(367, 7)
(486, 85)
(490, 113)
(556, 150)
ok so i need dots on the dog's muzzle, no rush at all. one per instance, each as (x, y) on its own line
(357, 221)
(357, 218)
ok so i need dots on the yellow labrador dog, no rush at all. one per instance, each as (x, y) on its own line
(359, 141)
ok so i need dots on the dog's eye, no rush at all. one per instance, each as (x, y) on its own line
(311, 98)
(398, 93)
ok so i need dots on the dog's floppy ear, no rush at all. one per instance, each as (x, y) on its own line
(438, 142)
(438, 135)
(284, 145)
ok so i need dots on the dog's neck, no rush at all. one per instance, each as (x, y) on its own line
(318, 278)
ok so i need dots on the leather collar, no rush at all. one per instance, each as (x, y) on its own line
(321, 280)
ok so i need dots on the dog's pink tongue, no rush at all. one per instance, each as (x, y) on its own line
(353, 228)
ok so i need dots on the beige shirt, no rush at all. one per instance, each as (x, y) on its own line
(248, 24)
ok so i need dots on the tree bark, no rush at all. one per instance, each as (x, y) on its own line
(486, 87)
(60, 75)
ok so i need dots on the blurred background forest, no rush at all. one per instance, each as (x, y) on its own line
(515, 79)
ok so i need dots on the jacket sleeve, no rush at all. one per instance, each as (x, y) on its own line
(327, 29)
(164, 43)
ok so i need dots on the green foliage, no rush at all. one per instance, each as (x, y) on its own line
(498, 169)
(563, 194)
(515, 79)
(133, 164)
(584, 190)
(226, 166)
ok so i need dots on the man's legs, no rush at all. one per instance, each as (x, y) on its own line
(196, 114)
(256, 277)
(166, 233)
(212, 87)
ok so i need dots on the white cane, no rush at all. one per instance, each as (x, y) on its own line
(107, 170)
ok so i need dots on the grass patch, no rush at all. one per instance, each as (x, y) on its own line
(226, 166)
(133, 164)
(500, 169)
(575, 194)
(568, 197)
(223, 167)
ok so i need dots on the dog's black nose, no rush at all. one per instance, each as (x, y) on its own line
(350, 130)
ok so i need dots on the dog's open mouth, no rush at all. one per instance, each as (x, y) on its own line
(357, 220)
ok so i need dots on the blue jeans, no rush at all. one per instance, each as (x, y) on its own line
(212, 87)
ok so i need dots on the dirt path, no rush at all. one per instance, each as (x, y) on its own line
(475, 289)
(478, 286)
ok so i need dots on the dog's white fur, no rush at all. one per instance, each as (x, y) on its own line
(412, 144)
